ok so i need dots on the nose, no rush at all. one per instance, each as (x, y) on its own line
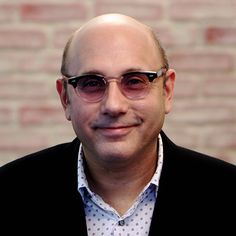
(114, 102)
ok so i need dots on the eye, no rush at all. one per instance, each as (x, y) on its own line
(90, 83)
(135, 81)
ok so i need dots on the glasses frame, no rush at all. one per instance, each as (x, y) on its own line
(151, 75)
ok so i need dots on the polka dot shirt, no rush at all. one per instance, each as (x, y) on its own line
(102, 219)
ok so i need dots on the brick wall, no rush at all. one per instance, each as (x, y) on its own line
(200, 39)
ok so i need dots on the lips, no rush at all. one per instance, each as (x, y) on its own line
(116, 127)
(115, 131)
(110, 123)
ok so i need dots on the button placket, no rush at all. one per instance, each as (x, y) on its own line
(121, 223)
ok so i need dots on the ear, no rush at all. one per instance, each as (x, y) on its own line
(169, 89)
(63, 97)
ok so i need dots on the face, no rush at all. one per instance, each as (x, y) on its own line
(116, 128)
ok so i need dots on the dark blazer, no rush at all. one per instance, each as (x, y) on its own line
(38, 194)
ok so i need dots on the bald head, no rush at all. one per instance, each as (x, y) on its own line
(110, 29)
(112, 19)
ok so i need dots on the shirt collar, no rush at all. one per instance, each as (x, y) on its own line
(82, 180)
(156, 177)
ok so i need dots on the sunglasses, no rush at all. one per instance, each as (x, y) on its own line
(133, 85)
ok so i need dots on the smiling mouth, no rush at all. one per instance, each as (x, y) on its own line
(116, 131)
(116, 127)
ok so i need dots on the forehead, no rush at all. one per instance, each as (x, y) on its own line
(113, 45)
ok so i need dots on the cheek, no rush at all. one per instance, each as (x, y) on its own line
(81, 117)
(154, 110)
(156, 98)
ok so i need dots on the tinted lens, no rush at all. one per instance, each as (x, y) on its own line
(91, 87)
(135, 85)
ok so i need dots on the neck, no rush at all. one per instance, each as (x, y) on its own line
(121, 184)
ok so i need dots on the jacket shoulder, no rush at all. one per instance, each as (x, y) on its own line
(41, 161)
(195, 165)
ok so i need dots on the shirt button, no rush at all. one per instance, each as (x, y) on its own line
(121, 223)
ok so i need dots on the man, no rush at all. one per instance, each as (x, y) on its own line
(121, 175)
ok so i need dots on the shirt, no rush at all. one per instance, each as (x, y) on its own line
(102, 219)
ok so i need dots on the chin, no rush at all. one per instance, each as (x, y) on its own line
(116, 154)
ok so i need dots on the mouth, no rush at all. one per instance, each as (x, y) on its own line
(115, 131)
(114, 128)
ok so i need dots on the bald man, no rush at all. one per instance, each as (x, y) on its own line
(121, 175)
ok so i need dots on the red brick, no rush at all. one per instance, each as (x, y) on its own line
(51, 62)
(21, 38)
(186, 86)
(30, 61)
(174, 37)
(221, 35)
(184, 10)
(61, 36)
(208, 2)
(41, 115)
(165, 35)
(222, 138)
(11, 141)
(5, 115)
(125, 2)
(203, 115)
(205, 103)
(180, 134)
(53, 12)
(223, 86)
(211, 112)
(142, 11)
(8, 13)
(201, 61)
(18, 87)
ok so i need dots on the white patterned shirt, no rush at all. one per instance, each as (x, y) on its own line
(102, 219)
